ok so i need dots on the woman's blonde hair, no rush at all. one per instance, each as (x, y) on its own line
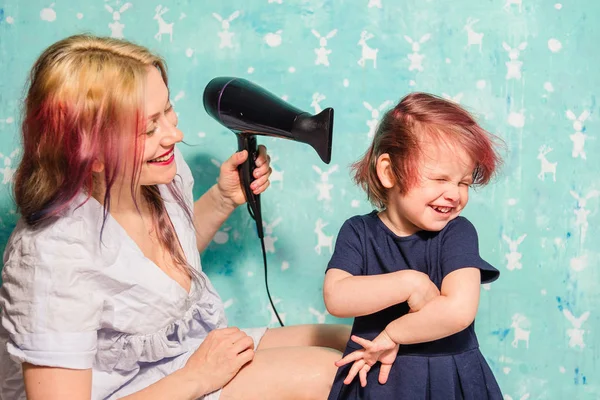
(85, 102)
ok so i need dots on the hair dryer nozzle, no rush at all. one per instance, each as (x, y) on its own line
(316, 131)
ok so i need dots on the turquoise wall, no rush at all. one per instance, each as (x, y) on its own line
(527, 68)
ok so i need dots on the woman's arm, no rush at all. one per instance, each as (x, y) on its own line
(347, 295)
(49, 383)
(451, 312)
(216, 205)
(210, 212)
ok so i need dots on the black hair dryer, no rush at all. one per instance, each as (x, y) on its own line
(249, 110)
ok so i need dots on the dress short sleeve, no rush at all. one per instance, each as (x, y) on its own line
(50, 306)
(348, 253)
(460, 249)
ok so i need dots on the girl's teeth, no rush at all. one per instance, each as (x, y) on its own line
(442, 209)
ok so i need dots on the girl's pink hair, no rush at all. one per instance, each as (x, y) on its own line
(420, 117)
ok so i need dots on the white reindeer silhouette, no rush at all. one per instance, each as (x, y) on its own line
(578, 138)
(269, 239)
(7, 171)
(513, 67)
(575, 334)
(323, 239)
(581, 213)
(163, 27)
(514, 257)
(324, 186)
(368, 53)
(226, 36)
(323, 52)
(546, 166)
(473, 38)
(509, 3)
(316, 99)
(416, 59)
(320, 316)
(375, 113)
(116, 27)
(521, 334)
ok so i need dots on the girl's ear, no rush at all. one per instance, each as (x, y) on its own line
(384, 171)
(97, 166)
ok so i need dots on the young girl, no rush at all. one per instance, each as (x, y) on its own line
(103, 294)
(411, 341)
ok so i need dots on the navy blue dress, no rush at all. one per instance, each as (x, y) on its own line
(444, 369)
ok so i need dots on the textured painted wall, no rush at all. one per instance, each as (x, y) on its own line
(528, 68)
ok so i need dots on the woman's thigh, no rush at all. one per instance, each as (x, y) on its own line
(285, 373)
(334, 336)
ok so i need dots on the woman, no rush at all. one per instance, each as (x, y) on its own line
(103, 293)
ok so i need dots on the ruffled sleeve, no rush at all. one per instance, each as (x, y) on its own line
(460, 249)
(51, 306)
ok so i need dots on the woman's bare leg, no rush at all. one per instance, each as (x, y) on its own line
(323, 335)
(299, 373)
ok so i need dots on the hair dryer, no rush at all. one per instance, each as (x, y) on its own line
(249, 110)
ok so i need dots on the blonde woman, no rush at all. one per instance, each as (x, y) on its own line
(103, 295)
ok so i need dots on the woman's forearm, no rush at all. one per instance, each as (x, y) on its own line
(177, 386)
(210, 212)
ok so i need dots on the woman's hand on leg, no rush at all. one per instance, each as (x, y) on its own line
(219, 358)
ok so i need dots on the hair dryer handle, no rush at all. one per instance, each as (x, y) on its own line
(246, 170)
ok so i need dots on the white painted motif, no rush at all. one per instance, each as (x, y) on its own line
(324, 186)
(164, 28)
(546, 166)
(7, 170)
(575, 333)
(520, 334)
(320, 316)
(416, 58)
(514, 65)
(368, 53)
(581, 213)
(225, 35)
(513, 258)
(317, 98)
(323, 239)
(509, 3)
(269, 238)
(116, 27)
(274, 39)
(578, 137)
(473, 38)
(323, 52)
(375, 115)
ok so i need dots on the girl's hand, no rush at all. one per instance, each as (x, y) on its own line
(219, 358)
(382, 349)
(229, 184)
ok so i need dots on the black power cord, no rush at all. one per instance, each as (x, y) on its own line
(264, 253)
